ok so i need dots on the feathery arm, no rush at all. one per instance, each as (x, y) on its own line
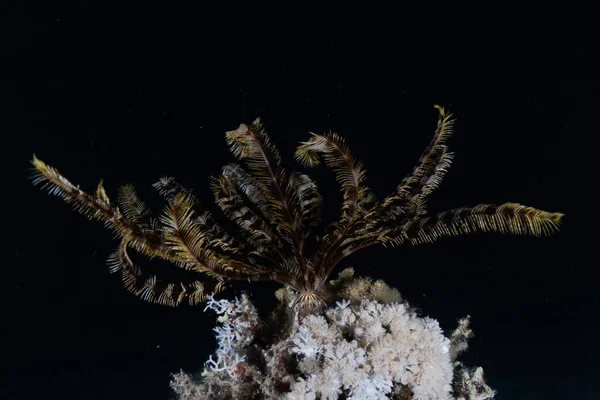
(98, 207)
(505, 218)
(252, 145)
(425, 177)
(149, 288)
(218, 238)
(350, 175)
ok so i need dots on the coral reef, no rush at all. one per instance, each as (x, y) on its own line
(370, 345)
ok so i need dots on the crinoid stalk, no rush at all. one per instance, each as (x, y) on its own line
(276, 212)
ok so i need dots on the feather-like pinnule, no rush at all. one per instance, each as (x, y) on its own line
(134, 209)
(101, 193)
(306, 198)
(258, 232)
(349, 173)
(99, 208)
(188, 241)
(251, 144)
(505, 218)
(149, 288)
(169, 189)
(94, 207)
(247, 184)
(427, 175)
(218, 237)
(276, 212)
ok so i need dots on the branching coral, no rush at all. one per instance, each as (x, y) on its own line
(361, 349)
(366, 348)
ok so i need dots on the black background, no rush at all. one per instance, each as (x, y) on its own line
(130, 94)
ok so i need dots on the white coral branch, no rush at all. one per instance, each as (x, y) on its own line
(232, 335)
(387, 345)
(359, 349)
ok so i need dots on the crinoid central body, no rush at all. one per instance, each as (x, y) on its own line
(277, 212)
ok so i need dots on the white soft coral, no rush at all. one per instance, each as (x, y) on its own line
(369, 346)
(364, 348)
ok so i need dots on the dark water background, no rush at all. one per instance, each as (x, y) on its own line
(129, 95)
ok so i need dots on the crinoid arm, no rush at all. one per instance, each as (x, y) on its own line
(276, 209)
(357, 200)
(505, 218)
(181, 235)
(403, 216)
(131, 223)
(409, 197)
(251, 144)
(151, 289)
